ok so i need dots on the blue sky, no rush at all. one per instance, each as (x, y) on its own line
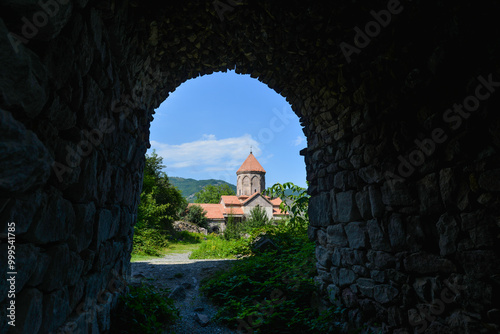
(205, 128)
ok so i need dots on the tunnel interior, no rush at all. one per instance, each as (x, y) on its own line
(399, 106)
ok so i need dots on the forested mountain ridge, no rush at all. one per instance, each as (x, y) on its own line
(189, 187)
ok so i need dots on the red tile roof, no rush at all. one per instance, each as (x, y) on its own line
(230, 200)
(278, 212)
(250, 165)
(275, 201)
(252, 197)
(276, 206)
(234, 211)
(233, 205)
(214, 211)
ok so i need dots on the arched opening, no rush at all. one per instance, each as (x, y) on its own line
(208, 125)
(389, 235)
(202, 133)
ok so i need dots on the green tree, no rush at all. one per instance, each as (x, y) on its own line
(259, 214)
(150, 214)
(196, 215)
(212, 194)
(156, 183)
(258, 218)
(154, 165)
(233, 228)
(160, 204)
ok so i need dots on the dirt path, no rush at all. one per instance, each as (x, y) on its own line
(183, 276)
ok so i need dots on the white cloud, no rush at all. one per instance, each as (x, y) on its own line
(207, 154)
(299, 140)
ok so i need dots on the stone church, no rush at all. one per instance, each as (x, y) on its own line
(250, 184)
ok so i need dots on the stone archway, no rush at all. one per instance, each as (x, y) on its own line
(404, 184)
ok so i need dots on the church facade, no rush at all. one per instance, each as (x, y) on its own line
(250, 184)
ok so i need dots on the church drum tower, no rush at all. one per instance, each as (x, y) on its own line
(251, 177)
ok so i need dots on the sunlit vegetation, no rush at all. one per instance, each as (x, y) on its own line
(269, 289)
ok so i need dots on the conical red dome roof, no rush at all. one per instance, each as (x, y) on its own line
(251, 165)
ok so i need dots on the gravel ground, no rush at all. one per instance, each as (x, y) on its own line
(177, 271)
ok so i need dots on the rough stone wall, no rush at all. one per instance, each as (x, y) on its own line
(409, 239)
(72, 150)
(77, 94)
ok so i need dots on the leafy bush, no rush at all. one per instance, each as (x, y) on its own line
(257, 219)
(295, 201)
(273, 292)
(196, 215)
(144, 310)
(259, 215)
(186, 237)
(148, 241)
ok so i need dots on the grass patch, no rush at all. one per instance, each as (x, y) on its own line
(176, 243)
(216, 247)
(139, 257)
(181, 248)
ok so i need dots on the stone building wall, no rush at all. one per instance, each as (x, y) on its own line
(262, 203)
(406, 241)
(413, 243)
(248, 183)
